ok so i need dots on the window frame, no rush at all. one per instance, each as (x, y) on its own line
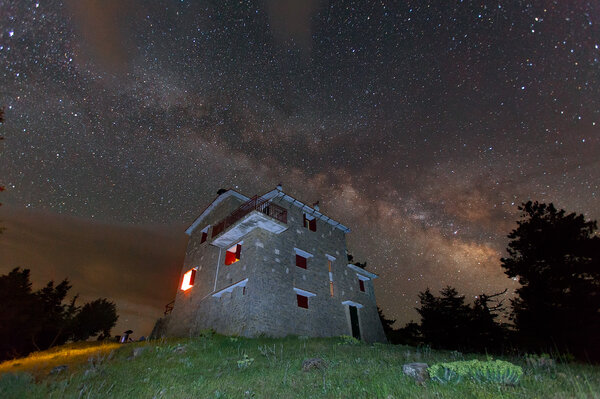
(188, 282)
(237, 254)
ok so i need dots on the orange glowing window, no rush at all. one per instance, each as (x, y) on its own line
(331, 288)
(188, 280)
(233, 254)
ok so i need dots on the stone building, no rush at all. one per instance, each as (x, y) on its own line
(271, 265)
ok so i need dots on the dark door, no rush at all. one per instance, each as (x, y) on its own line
(354, 322)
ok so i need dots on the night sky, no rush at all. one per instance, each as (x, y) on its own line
(421, 126)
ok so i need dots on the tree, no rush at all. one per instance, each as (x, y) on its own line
(448, 322)
(96, 317)
(445, 319)
(555, 257)
(16, 314)
(39, 320)
(386, 324)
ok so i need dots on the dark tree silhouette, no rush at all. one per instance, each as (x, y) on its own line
(448, 323)
(486, 332)
(445, 319)
(16, 314)
(39, 320)
(387, 324)
(96, 317)
(555, 257)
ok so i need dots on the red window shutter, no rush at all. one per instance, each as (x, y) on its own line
(300, 261)
(192, 276)
(229, 257)
(238, 252)
(302, 301)
(313, 225)
(204, 236)
(361, 285)
(304, 219)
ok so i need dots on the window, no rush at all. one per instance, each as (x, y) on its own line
(302, 297)
(302, 258)
(204, 234)
(302, 301)
(309, 222)
(188, 279)
(330, 259)
(233, 254)
(301, 261)
(361, 285)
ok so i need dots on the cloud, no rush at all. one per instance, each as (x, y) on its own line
(135, 266)
(101, 27)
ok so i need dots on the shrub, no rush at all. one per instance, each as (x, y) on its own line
(496, 371)
(348, 340)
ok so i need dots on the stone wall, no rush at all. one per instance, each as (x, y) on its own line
(269, 305)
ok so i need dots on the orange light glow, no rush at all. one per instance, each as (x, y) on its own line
(188, 280)
(233, 254)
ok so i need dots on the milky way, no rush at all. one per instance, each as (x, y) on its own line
(422, 126)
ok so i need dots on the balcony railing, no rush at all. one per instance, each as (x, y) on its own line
(169, 307)
(256, 203)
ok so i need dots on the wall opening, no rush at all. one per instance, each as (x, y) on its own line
(233, 254)
(188, 279)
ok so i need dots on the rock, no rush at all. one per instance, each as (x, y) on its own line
(179, 349)
(418, 371)
(314, 363)
(137, 352)
(59, 369)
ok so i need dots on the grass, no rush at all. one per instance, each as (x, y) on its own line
(214, 366)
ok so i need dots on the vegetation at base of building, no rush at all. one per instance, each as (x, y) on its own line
(37, 320)
(214, 366)
(555, 257)
(489, 371)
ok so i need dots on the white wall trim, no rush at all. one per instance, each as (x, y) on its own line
(304, 293)
(351, 303)
(331, 258)
(363, 278)
(362, 271)
(303, 253)
(230, 288)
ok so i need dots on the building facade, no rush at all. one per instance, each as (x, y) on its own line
(271, 265)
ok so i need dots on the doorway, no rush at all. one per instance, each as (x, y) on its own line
(354, 322)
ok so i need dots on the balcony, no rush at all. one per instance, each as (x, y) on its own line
(256, 213)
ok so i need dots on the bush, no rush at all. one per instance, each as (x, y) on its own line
(497, 371)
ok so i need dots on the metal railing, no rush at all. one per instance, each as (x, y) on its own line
(169, 307)
(256, 203)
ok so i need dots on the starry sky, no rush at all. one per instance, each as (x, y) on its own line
(420, 125)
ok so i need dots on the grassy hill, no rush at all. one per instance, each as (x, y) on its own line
(213, 366)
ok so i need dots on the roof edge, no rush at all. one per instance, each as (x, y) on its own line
(362, 271)
(212, 205)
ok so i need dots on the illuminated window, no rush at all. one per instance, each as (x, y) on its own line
(188, 279)
(233, 254)
(302, 301)
(331, 288)
(309, 222)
